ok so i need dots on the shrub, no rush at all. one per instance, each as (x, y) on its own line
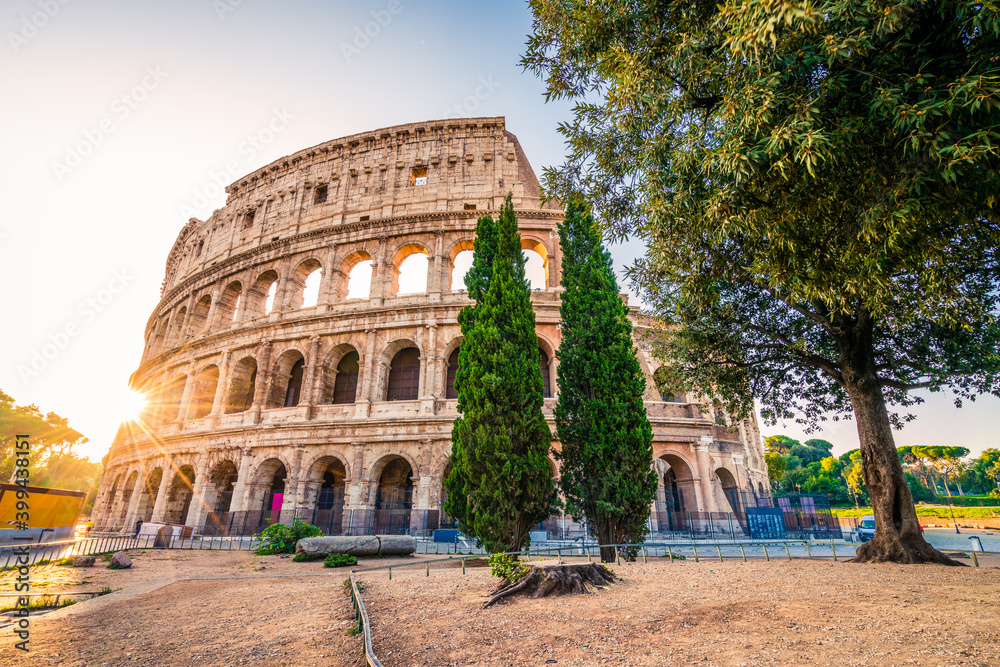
(507, 566)
(280, 539)
(340, 560)
(305, 558)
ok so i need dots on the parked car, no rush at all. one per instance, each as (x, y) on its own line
(866, 529)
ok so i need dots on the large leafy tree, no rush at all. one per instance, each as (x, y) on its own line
(501, 441)
(817, 184)
(605, 437)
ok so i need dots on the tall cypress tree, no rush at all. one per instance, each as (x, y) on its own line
(606, 440)
(501, 441)
(476, 282)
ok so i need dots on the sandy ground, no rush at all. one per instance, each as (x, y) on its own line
(191, 608)
(231, 608)
(733, 613)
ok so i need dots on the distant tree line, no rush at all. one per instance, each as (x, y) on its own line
(932, 472)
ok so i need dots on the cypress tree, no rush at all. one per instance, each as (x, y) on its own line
(500, 440)
(476, 281)
(606, 440)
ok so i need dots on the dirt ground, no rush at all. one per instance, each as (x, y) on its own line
(733, 613)
(191, 608)
(219, 608)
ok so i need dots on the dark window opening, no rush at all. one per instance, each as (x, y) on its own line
(320, 195)
(248, 218)
(470, 207)
(404, 375)
(450, 391)
(345, 387)
(364, 218)
(543, 365)
(293, 394)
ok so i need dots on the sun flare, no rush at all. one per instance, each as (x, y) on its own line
(130, 405)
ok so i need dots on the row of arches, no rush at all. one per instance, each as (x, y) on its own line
(204, 495)
(410, 271)
(337, 381)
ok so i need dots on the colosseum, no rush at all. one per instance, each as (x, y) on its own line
(302, 357)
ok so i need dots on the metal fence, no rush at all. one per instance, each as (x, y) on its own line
(53, 551)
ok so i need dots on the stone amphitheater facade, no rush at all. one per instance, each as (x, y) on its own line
(263, 404)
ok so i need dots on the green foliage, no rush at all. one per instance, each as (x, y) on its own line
(54, 464)
(340, 560)
(776, 465)
(476, 282)
(940, 512)
(817, 187)
(279, 538)
(507, 566)
(607, 475)
(306, 558)
(781, 444)
(500, 440)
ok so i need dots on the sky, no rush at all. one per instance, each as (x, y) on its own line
(122, 121)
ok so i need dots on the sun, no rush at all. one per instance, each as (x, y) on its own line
(130, 405)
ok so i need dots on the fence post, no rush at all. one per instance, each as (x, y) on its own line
(643, 554)
(787, 551)
(808, 550)
(974, 558)
(719, 547)
(834, 550)
(670, 554)
(766, 557)
(743, 551)
(694, 547)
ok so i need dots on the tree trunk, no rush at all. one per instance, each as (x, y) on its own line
(545, 579)
(897, 531)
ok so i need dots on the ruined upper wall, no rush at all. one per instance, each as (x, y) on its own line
(467, 163)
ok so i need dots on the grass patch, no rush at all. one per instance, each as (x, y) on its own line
(40, 602)
(339, 560)
(305, 558)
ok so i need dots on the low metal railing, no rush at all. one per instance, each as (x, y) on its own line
(50, 551)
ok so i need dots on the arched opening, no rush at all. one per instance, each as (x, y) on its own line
(305, 282)
(229, 303)
(203, 393)
(218, 497)
(242, 386)
(286, 387)
(536, 267)
(355, 276)
(274, 496)
(409, 270)
(177, 335)
(404, 375)
(543, 367)
(329, 512)
(450, 391)
(148, 493)
(719, 412)
(293, 390)
(730, 490)
(394, 497)
(172, 395)
(199, 316)
(461, 262)
(127, 493)
(345, 386)
(160, 337)
(267, 493)
(260, 297)
(112, 498)
(675, 494)
(179, 498)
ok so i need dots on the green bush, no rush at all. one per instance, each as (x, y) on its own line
(507, 566)
(305, 558)
(340, 560)
(280, 539)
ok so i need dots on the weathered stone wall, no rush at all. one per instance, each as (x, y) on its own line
(219, 368)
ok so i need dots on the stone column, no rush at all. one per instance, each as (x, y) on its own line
(436, 278)
(429, 362)
(220, 387)
(263, 381)
(210, 320)
(240, 488)
(133, 502)
(187, 321)
(185, 406)
(290, 500)
(280, 304)
(309, 375)
(331, 276)
(160, 506)
(356, 509)
(705, 473)
(367, 369)
(198, 507)
(241, 307)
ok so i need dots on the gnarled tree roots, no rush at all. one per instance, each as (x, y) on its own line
(544, 579)
(898, 549)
